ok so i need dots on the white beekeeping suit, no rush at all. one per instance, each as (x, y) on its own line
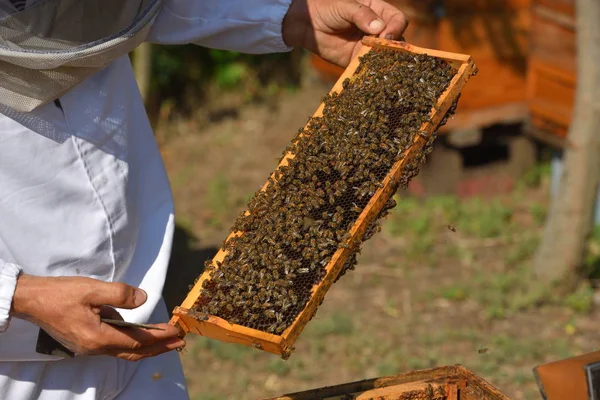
(83, 192)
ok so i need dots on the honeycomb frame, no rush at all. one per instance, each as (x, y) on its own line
(190, 321)
(452, 382)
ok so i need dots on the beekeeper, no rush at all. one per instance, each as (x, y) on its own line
(86, 214)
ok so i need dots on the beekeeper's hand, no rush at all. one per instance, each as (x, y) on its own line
(69, 309)
(333, 28)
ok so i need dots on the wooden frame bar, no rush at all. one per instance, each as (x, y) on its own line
(217, 328)
(458, 383)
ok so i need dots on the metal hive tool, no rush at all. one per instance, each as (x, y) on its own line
(302, 231)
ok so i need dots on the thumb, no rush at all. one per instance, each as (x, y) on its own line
(363, 17)
(117, 294)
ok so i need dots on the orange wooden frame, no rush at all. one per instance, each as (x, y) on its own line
(219, 329)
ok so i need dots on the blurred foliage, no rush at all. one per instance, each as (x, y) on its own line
(185, 74)
(592, 260)
(582, 299)
(535, 176)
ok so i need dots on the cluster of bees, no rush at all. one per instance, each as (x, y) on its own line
(293, 227)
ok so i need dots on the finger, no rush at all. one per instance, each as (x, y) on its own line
(134, 338)
(116, 294)
(105, 337)
(362, 16)
(396, 23)
(110, 313)
(148, 351)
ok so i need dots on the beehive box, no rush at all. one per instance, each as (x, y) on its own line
(443, 383)
(496, 34)
(552, 69)
(333, 183)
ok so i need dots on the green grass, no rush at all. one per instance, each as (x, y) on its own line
(539, 212)
(278, 367)
(500, 293)
(235, 353)
(535, 176)
(336, 324)
(503, 294)
(391, 366)
(484, 219)
(454, 293)
(218, 199)
(422, 222)
(592, 260)
(581, 301)
(183, 178)
(207, 396)
(523, 250)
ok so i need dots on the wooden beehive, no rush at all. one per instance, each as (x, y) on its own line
(220, 329)
(495, 33)
(552, 69)
(443, 383)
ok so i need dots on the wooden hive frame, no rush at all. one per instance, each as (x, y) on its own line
(217, 328)
(457, 382)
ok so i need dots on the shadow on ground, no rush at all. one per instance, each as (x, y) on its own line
(187, 263)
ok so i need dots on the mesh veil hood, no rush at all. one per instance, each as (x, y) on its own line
(53, 45)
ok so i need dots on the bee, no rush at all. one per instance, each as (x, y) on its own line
(451, 228)
(441, 392)
(430, 392)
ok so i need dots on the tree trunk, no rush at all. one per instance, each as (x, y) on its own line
(142, 65)
(570, 221)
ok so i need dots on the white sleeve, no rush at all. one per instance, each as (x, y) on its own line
(8, 282)
(246, 26)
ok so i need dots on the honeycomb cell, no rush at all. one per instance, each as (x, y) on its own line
(294, 227)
